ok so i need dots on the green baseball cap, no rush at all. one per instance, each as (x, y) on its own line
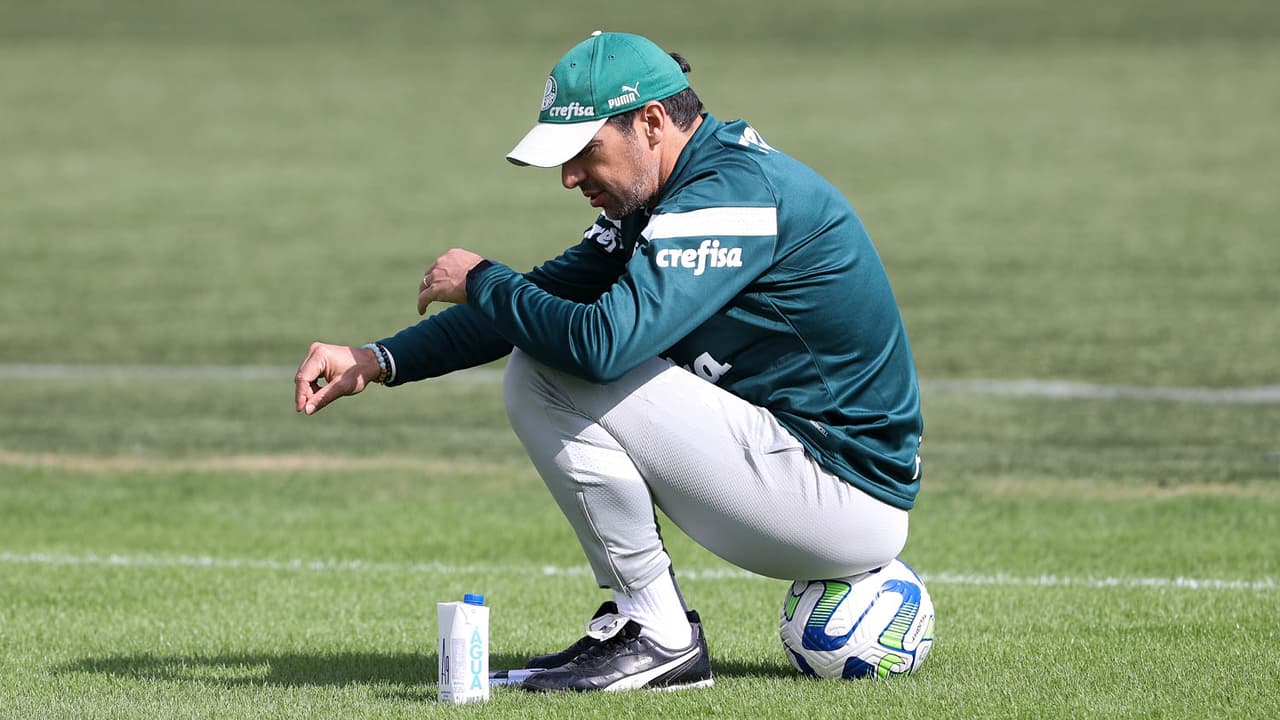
(605, 75)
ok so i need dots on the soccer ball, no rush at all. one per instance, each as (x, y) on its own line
(873, 625)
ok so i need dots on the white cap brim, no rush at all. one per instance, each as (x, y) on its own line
(554, 144)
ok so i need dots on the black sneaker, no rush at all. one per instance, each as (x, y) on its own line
(596, 626)
(623, 659)
(546, 662)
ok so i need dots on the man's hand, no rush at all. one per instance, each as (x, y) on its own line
(346, 371)
(446, 279)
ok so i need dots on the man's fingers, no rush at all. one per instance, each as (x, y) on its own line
(306, 398)
(321, 397)
(340, 387)
(318, 400)
(446, 279)
(425, 296)
(304, 381)
(337, 367)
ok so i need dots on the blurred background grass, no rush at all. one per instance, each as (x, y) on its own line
(1081, 191)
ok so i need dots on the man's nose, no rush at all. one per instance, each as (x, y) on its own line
(570, 176)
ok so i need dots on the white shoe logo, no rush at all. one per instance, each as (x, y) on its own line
(635, 89)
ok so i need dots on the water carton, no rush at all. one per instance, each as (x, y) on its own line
(463, 643)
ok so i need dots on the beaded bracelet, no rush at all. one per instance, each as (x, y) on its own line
(390, 377)
(381, 358)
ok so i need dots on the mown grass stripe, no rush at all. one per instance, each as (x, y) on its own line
(250, 464)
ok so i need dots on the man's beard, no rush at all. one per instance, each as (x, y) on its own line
(628, 200)
(637, 193)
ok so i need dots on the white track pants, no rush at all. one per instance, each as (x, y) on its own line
(722, 469)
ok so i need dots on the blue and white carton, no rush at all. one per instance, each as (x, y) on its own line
(463, 642)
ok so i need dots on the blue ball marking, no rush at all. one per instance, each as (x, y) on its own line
(856, 668)
(815, 635)
(801, 663)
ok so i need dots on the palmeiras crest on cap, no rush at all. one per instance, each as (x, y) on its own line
(549, 94)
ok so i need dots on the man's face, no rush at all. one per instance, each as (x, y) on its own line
(615, 171)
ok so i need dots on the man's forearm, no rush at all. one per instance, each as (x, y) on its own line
(454, 339)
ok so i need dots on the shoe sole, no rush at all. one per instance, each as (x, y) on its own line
(686, 686)
(634, 682)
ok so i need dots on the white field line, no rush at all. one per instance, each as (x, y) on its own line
(1068, 390)
(436, 568)
(1054, 389)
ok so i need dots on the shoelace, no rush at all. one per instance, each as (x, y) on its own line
(606, 626)
(613, 637)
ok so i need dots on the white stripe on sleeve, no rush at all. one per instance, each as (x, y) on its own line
(715, 222)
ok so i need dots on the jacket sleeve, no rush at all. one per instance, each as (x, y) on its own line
(690, 263)
(459, 337)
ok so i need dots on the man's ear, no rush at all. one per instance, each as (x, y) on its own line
(653, 122)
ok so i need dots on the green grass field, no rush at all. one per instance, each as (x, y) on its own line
(1059, 192)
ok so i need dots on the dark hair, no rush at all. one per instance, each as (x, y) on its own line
(684, 107)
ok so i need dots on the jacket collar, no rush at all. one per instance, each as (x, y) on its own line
(701, 135)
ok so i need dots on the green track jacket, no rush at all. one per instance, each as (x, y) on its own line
(753, 272)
